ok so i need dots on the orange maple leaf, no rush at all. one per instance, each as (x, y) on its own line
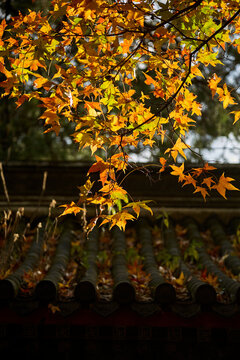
(40, 81)
(3, 25)
(125, 45)
(188, 179)
(150, 81)
(198, 171)
(208, 181)
(203, 191)
(207, 167)
(162, 161)
(211, 279)
(9, 82)
(101, 166)
(51, 118)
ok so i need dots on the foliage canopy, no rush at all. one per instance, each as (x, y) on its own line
(80, 61)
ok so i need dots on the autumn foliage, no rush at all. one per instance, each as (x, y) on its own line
(80, 60)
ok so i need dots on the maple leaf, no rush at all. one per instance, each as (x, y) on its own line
(149, 142)
(225, 96)
(178, 171)
(21, 100)
(35, 64)
(178, 149)
(213, 82)
(116, 192)
(188, 179)
(188, 99)
(91, 106)
(137, 205)
(203, 191)
(117, 122)
(125, 45)
(100, 166)
(40, 81)
(86, 188)
(196, 108)
(208, 181)
(54, 308)
(163, 162)
(236, 115)
(211, 279)
(204, 274)
(119, 219)
(3, 25)
(71, 209)
(118, 163)
(180, 280)
(207, 167)
(150, 81)
(51, 118)
(9, 82)
(223, 185)
(198, 171)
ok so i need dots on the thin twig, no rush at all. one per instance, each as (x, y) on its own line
(4, 183)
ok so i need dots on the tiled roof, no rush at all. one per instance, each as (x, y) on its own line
(185, 263)
(170, 281)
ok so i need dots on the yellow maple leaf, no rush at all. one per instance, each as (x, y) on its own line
(45, 29)
(213, 83)
(119, 219)
(117, 122)
(223, 185)
(178, 149)
(236, 115)
(178, 171)
(196, 71)
(137, 205)
(148, 142)
(188, 99)
(196, 108)
(53, 308)
(225, 96)
(71, 209)
(181, 279)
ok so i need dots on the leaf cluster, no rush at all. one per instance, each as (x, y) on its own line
(79, 60)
